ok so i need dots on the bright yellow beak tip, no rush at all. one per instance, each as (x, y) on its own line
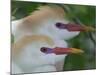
(76, 51)
(89, 28)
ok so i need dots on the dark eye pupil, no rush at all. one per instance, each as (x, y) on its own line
(43, 49)
(58, 24)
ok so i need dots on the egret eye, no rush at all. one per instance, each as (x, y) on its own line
(58, 24)
(43, 49)
(46, 50)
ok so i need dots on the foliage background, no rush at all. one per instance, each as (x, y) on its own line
(81, 14)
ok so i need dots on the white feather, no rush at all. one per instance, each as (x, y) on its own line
(31, 59)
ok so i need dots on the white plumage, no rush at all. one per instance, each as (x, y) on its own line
(36, 31)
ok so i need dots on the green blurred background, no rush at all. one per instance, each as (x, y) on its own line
(81, 14)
